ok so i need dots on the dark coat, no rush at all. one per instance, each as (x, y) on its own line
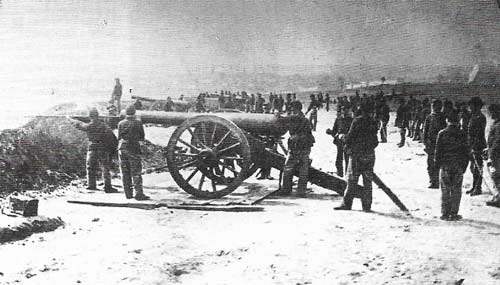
(301, 137)
(494, 142)
(402, 116)
(130, 132)
(435, 122)
(100, 136)
(362, 136)
(475, 132)
(451, 148)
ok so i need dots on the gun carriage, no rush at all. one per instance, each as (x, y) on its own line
(209, 156)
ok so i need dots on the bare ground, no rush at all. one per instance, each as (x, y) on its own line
(294, 241)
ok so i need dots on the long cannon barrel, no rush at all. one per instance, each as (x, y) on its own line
(260, 124)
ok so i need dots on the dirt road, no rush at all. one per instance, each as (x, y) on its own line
(294, 241)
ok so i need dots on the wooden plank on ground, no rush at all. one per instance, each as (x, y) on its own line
(144, 206)
(389, 193)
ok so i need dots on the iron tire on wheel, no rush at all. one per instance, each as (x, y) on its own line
(210, 151)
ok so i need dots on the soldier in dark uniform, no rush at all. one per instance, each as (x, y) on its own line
(451, 157)
(278, 103)
(313, 108)
(102, 145)
(299, 145)
(417, 123)
(361, 141)
(382, 115)
(433, 124)
(288, 104)
(340, 129)
(117, 95)
(402, 121)
(477, 143)
(259, 104)
(327, 102)
(169, 105)
(130, 132)
(494, 151)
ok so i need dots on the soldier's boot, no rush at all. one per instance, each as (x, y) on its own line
(402, 142)
(128, 193)
(139, 194)
(108, 188)
(346, 203)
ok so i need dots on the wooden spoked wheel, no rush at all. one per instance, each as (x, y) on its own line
(208, 156)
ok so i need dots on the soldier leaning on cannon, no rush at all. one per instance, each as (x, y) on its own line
(477, 143)
(361, 141)
(102, 145)
(340, 129)
(299, 144)
(130, 132)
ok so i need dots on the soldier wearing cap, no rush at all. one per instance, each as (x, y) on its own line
(435, 122)
(477, 143)
(130, 133)
(340, 129)
(116, 96)
(299, 144)
(451, 158)
(361, 141)
(102, 145)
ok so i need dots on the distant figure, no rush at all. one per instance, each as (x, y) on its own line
(116, 96)
(327, 102)
(102, 146)
(451, 157)
(314, 105)
(138, 104)
(181, 97)
(259, 104)
(382, 115)
(278, 103)
(477, 143)
(130, 133)
(402, 116)
(434, 123)
(169, 105)
(299, 144)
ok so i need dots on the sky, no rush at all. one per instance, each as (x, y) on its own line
(76, 47)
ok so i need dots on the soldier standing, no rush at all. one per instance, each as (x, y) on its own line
(361, 141)
(433, 124)
(451, 157)
(382, 115)
(299, 145)
(477, 143)
(102, 145)
(313, 108)
(402, 120)
(130, 132)
(116, 96)
(327, 102)
(494, 151)
(259, 104)
(278, 103)
(340, 129)
(169, 105)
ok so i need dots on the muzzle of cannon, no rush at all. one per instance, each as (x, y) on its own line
(209, 156)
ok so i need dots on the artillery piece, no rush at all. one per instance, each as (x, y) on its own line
(209, 156)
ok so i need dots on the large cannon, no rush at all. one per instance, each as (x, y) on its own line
(209, 156)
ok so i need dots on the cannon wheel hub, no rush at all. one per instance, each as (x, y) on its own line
(208, 156)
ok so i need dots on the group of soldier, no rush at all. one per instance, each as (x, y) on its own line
(453, 135)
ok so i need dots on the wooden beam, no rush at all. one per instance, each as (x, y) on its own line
(389, 193)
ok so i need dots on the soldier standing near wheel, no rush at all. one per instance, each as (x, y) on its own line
(130, 133)
(102, 145)
(299, 144)
(361, 141)
(477, 143)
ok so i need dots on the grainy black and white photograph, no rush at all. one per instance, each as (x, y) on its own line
(250, 142)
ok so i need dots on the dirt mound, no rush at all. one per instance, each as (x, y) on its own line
(50, 152)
